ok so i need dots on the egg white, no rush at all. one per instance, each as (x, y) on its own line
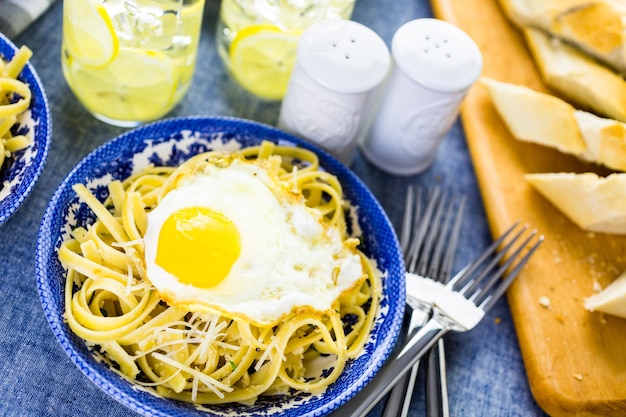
(290, 260)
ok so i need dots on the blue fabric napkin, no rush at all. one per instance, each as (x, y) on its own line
(17, 15)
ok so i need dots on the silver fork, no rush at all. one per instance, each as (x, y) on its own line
(428, 239)
(459, 306)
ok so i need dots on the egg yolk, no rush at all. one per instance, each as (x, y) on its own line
(198, 246)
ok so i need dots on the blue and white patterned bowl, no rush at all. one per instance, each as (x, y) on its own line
(20, 172)
(170, 142)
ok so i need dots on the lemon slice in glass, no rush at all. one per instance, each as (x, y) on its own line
(262, 58)
(137, 86)
(88, 33)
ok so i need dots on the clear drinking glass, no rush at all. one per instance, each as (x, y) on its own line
(257, 39)
(130, 61)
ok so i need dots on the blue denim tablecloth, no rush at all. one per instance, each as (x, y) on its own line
(485, 371)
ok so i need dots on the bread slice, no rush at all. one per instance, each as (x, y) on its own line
(611, 300)
(536, 117)
(605, 140)
(597, 28)
(538, 13)
(577, 77)
(541, 118)
(594, 203)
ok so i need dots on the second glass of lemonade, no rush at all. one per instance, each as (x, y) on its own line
(130, 61)
(257, 39)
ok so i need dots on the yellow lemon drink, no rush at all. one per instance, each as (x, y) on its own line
(257, 39)
(130, 61)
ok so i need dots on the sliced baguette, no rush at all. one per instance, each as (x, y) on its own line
(598, 27)
(596, 204)
(541, 118)
(538, 13)
(605, 140)
(536, 117)
(611, 300)
(578, 77)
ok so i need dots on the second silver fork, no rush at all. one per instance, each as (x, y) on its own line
(459, 306)
(428, 239)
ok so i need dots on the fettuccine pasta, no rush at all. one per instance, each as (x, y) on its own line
(15, 98)
(195, 356)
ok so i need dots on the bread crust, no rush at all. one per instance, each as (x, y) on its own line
(537, 117)
(578, 77)
(602, 210)
(596, 27)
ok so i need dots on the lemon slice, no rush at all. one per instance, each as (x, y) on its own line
(88, 33)
(136, 86)
(262, 58)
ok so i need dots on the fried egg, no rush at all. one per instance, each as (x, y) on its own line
(232, 239)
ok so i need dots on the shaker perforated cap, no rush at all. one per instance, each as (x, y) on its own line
(437, 54)
(343, 56)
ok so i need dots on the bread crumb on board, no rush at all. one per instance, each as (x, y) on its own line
(596, 286)
(544, 302)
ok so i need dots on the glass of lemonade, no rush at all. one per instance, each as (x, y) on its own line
(257, 39)
(130, 61)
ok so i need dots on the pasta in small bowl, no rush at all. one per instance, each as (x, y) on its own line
(25, 127)
(220, 267)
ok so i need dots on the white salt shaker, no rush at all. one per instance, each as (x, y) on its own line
(340, 65)
(435, 64)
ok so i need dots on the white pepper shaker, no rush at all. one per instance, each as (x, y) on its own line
(340, 65)
(434, 65)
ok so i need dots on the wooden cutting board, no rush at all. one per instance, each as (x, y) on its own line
(575, 360)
